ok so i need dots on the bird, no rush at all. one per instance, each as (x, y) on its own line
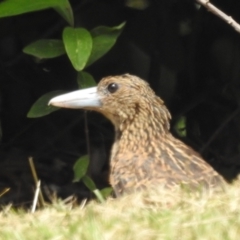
(144, 154)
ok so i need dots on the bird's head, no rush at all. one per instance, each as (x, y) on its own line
(122, 99)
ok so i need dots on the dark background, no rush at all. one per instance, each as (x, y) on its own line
(190, 57)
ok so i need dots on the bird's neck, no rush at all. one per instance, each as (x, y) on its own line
(144, 130)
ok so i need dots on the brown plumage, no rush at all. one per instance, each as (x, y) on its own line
(144, 153)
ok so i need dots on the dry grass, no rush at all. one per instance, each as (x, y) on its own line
(154, 215)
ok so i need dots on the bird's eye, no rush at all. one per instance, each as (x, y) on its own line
(112, 87)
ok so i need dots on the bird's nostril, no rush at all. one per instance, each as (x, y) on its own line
(112, 87)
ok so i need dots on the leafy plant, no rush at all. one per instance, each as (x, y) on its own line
(180, 127)
(82, 47)
(41, 108)
(80, 173)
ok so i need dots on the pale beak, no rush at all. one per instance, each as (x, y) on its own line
(86, 98)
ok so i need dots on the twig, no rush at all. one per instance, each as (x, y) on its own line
(87, 132)
(35, 200)
(87, 138)
(4, 191)
(83, 203)
(222, 126)
(228, 19)
(35, 177)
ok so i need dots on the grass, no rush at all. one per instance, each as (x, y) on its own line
(160, 214)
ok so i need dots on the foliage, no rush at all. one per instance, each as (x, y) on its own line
(41, 107)
(82, 47)
(180, 127)
(85, 80)
(45, 48)
(16, 7)
(78, 45)
(80, 168)
(80, 173)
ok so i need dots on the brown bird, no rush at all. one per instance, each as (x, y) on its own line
(144, 153)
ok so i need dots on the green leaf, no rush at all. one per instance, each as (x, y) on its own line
(180, 127)
(78, 45)
(41, 108)
(99, 195)
(16, 7)
(85, 80)
(45, 48)
(66, 12)
(106, 192)
(89, 183)
(80, 168)
(103, 40)
(92, 187)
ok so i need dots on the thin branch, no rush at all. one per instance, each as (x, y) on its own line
(220, 128)
(35, 177)
(228, 19)
(4, 191)
(36, 195)
(83, 203)
(87, 140)
(87, 132)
